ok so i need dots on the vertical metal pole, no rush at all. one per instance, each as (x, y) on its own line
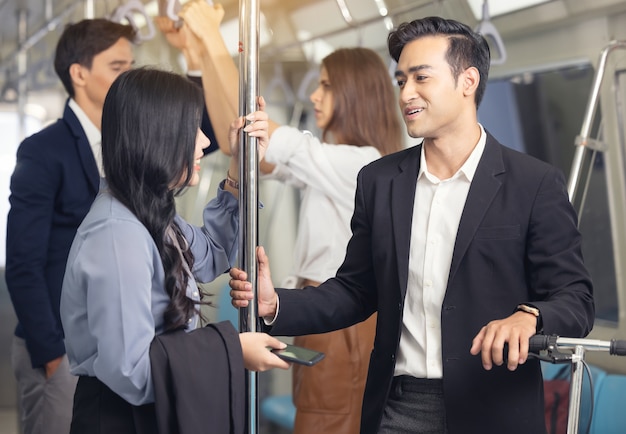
(583, 139)
(248, 185)
(90, 9)
(576, 385)
(22, 80)
(48, 8)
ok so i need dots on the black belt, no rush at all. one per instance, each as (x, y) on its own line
(408, 383)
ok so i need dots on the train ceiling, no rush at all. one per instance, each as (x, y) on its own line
(291, 28)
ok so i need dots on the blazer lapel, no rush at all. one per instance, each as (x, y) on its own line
(483, 189)
(402, 199)
(84, 149)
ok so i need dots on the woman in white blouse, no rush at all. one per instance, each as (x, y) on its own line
(132, 268)
(356, 109)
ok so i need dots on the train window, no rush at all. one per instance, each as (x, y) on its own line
(541, 113)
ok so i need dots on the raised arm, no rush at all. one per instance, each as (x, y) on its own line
(180, 38)
(220, 76)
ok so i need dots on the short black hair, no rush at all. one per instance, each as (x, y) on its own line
(466, 47)
(81, 42)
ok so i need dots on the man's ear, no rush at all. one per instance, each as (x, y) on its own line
(77, 74)
(470, 80)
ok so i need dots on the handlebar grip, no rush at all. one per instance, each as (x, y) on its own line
(538, 343)
(617, 348)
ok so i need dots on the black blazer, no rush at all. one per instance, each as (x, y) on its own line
(199, 382)
(517, 242)
(52, 187)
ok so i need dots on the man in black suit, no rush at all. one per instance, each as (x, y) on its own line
(56, 178)
(461, 245)
(55, 181)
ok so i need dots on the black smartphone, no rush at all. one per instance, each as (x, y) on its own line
(300, 355)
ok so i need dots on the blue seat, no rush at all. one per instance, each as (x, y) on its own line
(609, 416)
(551, 371)
(279, 409)
(225, 310)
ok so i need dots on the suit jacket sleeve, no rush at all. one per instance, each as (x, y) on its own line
(560, 284)
(34, 186)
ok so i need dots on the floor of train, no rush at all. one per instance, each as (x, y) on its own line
(8, 421)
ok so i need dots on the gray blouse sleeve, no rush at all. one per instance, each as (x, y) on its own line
(214, 245)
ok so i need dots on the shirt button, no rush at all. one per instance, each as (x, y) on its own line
(195, 293)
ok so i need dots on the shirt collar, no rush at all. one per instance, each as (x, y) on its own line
(94, 136)
(471, 164)
(468, 169)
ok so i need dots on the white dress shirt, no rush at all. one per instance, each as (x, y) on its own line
(437, 210)
(94, 136)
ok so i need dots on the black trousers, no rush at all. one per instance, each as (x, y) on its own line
(99, 410)
(414, 406)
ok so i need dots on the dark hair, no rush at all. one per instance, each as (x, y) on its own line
(360, 80)
(82, 41)
(150, 121)
(466, 48)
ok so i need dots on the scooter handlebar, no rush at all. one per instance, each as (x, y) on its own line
(538, 343)
(618, 347)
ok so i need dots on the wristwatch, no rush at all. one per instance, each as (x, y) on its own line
(528, 309)
(533, 311)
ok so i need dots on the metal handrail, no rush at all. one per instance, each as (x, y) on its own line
(486, 28)
(249, 24)
(583, 141)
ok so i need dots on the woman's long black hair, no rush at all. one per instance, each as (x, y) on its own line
(149, 125)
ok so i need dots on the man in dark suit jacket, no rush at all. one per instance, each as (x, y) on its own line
(461, 245)
(54, 183)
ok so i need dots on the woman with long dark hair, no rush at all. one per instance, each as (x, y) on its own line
(132, 269)
(356, 110)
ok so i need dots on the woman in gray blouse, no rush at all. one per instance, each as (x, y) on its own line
(133, 266)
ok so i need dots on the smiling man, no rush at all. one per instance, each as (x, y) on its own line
(461, 245)
(55, 181)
